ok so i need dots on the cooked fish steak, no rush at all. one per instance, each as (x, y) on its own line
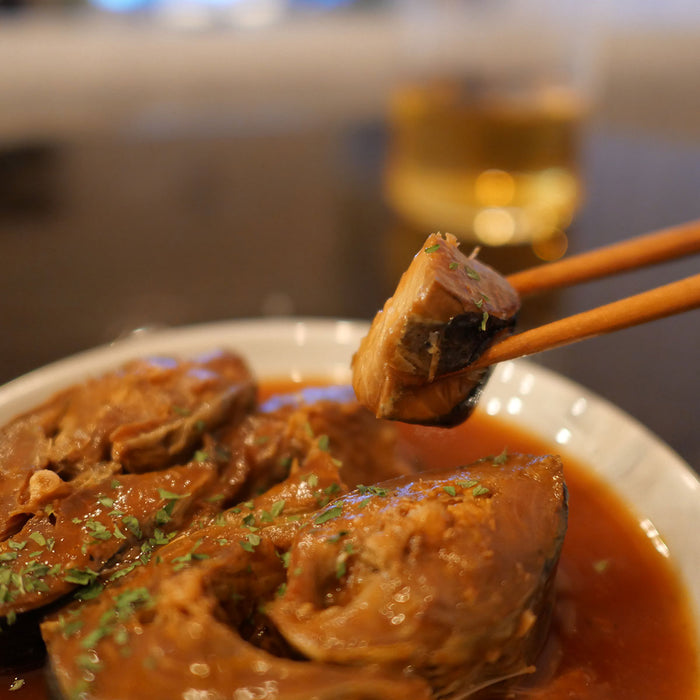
(448, 574)
(192, 619)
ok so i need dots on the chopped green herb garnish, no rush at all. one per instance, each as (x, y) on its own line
(484, 319)
(472, 273)
(162, 515)
(467, 484)
(480, 490)
(170, 496)
(373, 490)
(332, 489)
(251, 543)
(201, 456)
(70, 627)
(329, 514)
(92, 591)
(312, 480)
(80, 576)
(432, 248)
(132, 525)
(193, 554)
(453, 265)
(449, 490)
(501, 458)
(97, 530)
(323, 443)
(277, 508)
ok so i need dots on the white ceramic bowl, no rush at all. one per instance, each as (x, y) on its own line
(659, 487)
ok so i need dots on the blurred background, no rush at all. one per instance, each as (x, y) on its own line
(167, 162)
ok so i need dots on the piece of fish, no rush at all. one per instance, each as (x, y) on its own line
(264, 446)
(191, 623)
(87, 481)
(144, 416)
(446, 311)
(68, 545)
(448, 575)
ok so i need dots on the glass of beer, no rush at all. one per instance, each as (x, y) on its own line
(484, 135)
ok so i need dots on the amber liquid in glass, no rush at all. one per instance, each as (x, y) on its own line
(494, 166)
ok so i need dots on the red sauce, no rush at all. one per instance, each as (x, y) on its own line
(622, 629)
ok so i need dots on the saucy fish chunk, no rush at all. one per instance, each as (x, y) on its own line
(446, 311)
(448, 574)
(141, 417)
(191, 622)
(92, 474)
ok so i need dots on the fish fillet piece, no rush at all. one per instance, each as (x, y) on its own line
(89, 480)
(67, 547)
(144, 416)
(446, 311)
(191, 623)
(448, 574)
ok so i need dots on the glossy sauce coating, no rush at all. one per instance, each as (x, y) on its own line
(622, 626)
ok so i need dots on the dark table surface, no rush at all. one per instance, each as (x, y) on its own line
(120, 232)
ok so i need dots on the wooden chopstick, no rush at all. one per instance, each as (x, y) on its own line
(651, 305)
(633, 253)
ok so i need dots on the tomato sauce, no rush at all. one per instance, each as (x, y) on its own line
(622, 627)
